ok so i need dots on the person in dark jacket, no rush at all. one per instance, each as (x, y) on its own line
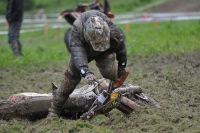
(93, 36)
(14, 16)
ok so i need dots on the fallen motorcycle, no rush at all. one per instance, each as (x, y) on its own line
(85, 102)
(113, 97)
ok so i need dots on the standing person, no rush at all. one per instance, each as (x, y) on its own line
(93, 36)
(14, 16)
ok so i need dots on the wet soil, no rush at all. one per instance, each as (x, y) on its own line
(174, 6)
(173, 80)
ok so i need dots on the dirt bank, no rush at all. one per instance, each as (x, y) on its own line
(178, 6)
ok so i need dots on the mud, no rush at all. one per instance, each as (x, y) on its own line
(173, 80)
(175, 6)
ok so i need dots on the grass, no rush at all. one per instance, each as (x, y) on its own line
(37, 48)
(168, 38)
(142, 39)
(24, 126)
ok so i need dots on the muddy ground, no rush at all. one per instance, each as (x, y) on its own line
(173, 80)
(176, 6)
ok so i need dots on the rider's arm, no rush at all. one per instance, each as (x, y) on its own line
(117, 38)
(78, 50)
(121, 52)
(118, 44)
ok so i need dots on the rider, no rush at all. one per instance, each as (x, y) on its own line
(93, 37)
(96, 5)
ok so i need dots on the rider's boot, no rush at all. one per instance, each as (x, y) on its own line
(60, 96)
(15, 48)
(20, 47)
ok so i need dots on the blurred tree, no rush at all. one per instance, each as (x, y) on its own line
(58, 1)
(3, 4)
(28, 5)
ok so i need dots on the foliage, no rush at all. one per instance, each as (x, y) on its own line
(56, 6)
(3, 6)
(116, 5)
(28, 5)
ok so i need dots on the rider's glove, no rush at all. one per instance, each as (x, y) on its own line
(89, 76)
(121, 68)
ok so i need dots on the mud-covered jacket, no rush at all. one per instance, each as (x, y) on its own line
(82, 52)
(14, 10)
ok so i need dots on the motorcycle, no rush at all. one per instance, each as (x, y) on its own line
(70, 15)
(85, 102)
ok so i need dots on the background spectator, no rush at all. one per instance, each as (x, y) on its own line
(14, 16)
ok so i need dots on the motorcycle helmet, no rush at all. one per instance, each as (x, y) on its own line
(97, 33)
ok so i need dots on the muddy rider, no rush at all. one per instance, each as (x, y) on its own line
(93, 37)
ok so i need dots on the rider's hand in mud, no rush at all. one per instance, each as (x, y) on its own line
(90, 78)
